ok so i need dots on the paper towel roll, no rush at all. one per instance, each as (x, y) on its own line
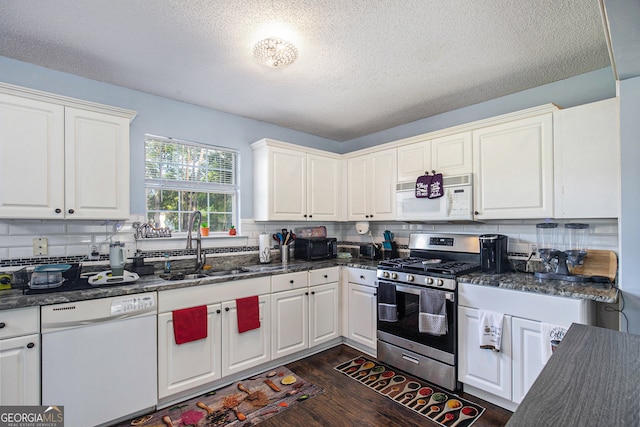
(265, 250)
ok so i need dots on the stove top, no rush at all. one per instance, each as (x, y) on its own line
(429, 266)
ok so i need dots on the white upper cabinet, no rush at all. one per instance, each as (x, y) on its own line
(413, 160)
(77, 155)
(449, 155)
(587, 160)
(371, 186)
(513, 169)
(31, 134)
(96, 165)
(293, 184)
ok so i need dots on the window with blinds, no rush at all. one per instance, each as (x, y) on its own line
(182, 176)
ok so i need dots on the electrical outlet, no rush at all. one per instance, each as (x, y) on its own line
(94, 254)
(40, 246)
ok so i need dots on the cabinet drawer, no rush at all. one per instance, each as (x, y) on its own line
(362, 276)
(324, 276)
(21, 321)
(286, 282)
(175, 299)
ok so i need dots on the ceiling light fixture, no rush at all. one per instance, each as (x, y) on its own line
(275, 52)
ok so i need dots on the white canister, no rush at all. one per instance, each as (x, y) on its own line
(264, 241)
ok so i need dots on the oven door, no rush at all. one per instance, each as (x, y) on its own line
(407, 300)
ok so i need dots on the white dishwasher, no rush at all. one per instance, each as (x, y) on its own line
(99, 358)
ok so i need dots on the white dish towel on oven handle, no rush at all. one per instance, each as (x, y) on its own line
(490, 329)
(432, 318)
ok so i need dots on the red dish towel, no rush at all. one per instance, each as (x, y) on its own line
(248, 313)
(190, 324)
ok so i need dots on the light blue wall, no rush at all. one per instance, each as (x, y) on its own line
(630, 184)
(164, 117)
(582, 89)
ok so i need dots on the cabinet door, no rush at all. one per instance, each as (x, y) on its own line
(527, 355)
(289, 184)
(513, 168)
(245, 350)
(483, 368)
(289, 322)
(20, 370)
(413, 160)
(586, 144)
(383, 188)
(358, 187)
(185, 366)
(451, 155)
(324, 319)
(323, 188)
(31, 158)
(96, 165)
(363, 314)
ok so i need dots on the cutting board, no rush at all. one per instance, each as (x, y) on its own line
(598, 263)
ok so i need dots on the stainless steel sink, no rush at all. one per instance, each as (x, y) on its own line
(201, 275)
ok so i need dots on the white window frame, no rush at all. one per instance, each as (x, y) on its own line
(232, 188)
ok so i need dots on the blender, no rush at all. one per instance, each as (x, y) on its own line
(116, 258)
(556, 260)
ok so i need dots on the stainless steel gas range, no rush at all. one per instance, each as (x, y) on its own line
(417, 305)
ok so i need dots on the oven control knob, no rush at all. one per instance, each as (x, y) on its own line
(428, 280)
(394, 276)
(385, 274)
(410, 278)
(440, 282)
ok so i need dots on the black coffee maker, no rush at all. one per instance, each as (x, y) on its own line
(493, 253)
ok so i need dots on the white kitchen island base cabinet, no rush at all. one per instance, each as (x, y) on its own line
(182, 367)
(241, 351)
(504, 377)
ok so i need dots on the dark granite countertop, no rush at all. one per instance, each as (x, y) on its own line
(601, 292)
(590, 380)
(14, 298)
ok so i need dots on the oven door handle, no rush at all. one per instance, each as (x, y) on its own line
(416, 291)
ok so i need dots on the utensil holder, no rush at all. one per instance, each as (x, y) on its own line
(284, 253)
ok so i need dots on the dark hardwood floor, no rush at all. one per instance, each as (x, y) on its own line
(347, 403)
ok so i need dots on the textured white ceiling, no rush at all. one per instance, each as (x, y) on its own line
(363, 65)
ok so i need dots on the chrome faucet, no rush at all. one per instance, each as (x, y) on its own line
(195, 220)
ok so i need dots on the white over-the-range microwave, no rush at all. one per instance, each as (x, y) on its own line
(455, 205)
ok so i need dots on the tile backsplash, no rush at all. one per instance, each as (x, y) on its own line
(72, 241)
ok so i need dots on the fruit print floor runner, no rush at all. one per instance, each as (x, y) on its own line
(427, 400)
(242, 403)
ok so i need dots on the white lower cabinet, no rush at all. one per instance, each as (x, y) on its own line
(324, 318)
(185, 366)
(290, 322)
(504, 377)
(363, 315)
(482, 368)
(20, 356)
(527, 357)
(308, 314)
(245, 350)
(20, 370)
